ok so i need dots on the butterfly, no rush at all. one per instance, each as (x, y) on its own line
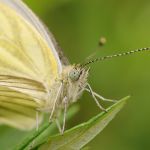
(35, 76)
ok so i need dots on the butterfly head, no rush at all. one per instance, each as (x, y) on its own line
(78, 74)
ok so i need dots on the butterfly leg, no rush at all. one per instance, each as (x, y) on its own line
(58, 125)
(101, 97)
(104, 99)
(94, 97)
(65, 112)
(57, 96)
(61, 130)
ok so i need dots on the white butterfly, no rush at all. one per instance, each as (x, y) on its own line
(35, 77)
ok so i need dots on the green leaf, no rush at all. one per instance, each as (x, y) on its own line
(44, 132)
(74, 138)
(79, 136)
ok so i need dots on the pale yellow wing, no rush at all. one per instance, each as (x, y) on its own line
(17, 109)
(34, 89)
(26, 53)
(27, 69)
(20, 99)
(27, 13)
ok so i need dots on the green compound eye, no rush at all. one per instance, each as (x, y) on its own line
(74, 75)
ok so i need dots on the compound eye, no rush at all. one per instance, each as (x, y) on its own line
(74, 75)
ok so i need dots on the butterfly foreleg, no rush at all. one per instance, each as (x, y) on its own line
(104, 99)
(61, 129)
(89, 89)
(58, 125)
(55, 101)
(65, 102)
(101, 97)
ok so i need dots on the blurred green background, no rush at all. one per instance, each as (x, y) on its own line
(77, 26)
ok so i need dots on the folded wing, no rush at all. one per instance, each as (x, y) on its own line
(27, 43)
(18, 109)
(28, 67)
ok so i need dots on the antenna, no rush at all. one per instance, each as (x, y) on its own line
(101, 43)
(116, 55)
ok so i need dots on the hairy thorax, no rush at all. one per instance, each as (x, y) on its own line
(67, 88)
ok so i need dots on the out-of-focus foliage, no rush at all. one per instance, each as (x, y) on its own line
(77, 26)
